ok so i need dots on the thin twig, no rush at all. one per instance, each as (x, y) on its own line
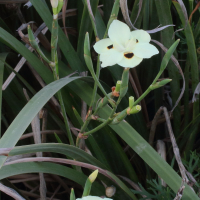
(20, 63)
(57, 189)
(154, 125)
(64, 15)
(175, 147)
(180, 192)
(27, 135)
(10, 192)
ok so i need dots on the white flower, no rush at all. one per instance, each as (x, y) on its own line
(124, 47)
(93, 198)
(54, 3)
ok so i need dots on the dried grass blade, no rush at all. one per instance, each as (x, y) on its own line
(161, 149)
(184, 10)
(64, 15)
(124, 8)
(175, 147)
(195, 9)
(125, 12)
(154, 125)
(22, 61)
(139, 10)
(196, 93)
(37, 138)
(180, 192)
(10, 192)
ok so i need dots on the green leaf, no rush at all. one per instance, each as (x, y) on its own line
(24, 118)
(2, 57)
(50, 168)
(64, 149)
(194, 70)
(165, 18)
(168, 55)
(140, 146)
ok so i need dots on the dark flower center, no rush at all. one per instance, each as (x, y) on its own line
(137, 41)
(129, 55)
(110, 47)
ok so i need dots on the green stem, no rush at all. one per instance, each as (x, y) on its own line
(147, 91)
(106, 122)
(54, 43)
(98, 127)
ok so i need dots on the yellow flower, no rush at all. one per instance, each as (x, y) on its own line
(124, 47)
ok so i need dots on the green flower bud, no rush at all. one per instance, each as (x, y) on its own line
(118, 85)
(72, 195)
(160, 84)
(89, 182)
(93, 176)
(124, 85)
(134, 110)
(131, 102)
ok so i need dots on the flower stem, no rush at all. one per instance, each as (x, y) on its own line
(54, 57)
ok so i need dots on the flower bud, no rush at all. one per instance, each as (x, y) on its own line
(54, 3)
(110, 191)
(60, 5)
(124, 84)
(160, 84)
(72, 195)
(134, 110)
(118, 85)
(131, 102)
(93, 176)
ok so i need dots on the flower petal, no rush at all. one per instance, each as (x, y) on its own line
(130, 62)
(145, 50)
(101, 45)
(119, 32)
(110, 57)
(141, 36)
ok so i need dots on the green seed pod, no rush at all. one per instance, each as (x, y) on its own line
(160, 84)
(124, 84)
